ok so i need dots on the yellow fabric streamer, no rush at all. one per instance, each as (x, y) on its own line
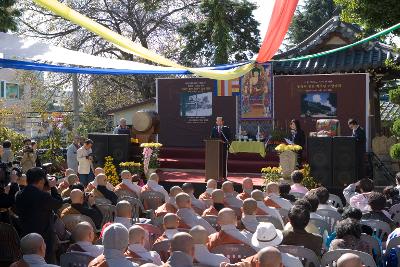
(136, 49)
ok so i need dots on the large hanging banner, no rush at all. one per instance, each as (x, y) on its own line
(257, 93)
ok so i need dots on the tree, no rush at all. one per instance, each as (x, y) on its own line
(309, 18)
(8, 15)
(225, 32)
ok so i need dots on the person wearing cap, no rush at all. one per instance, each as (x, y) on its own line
(206, 195)
(124, 213)
(136, 249)
(169, 206)
(249, 220)
(201, 253)
(127, 184)
(152, 185)
(230, 195)
(218, 203)
(262, 209)
(72, 161)
(83, 235)
(228, 234)
(198, 205)
(115, 241)
(274, 200)
(85, 162)
(187, 215)
(170, 225)
(247, 187)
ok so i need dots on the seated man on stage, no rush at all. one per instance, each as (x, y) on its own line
(198, 205)
(247, 189)
(206, 196)
(274, 200)
(83, 236)
(223, 133)
(127, 184)
(152, 185)
(230, 195)
(169, 206)
(187, 215)
(218, 203)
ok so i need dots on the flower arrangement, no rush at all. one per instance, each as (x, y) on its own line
(111, 171)
(308, 180)
(283, 147)
(150, 155)
(134, 141)
(271, 174)
(133, 167)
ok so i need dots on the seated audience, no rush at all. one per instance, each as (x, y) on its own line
(247, 187)
(323, 196)
(284, 189)
(228, 234)
(274, 200)
(136, 249)
(349, 260)
(198, 205)
(310, 228)
(297, 187)
(33, 249)
(83, 235)
(170, 225)
(78, 207)
(312, 198)
(102, 191)
(262, 209)
(357, 194)
(187, 215)
(392, 196)
(201, 253)
(249, 220)
(72, 180)
(206, 196)
(64, 180)
(299, 216)
(124, 213)
(182, 251)
(169, 206)
(152, 185)
(230, 195)
(127, 184)
(93, 184)
(218, 203)
(348, 233)
(115, 241)
(376, 202)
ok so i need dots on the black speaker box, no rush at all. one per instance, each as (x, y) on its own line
(319, 153)
(344, 161)
(99, 148)
(114, 145)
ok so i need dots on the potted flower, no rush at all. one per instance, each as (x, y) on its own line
(150, 157)
(271, 174)
(308, 181)
(132, 167)
(287, 158)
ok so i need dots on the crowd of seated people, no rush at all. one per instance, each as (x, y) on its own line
(189, 230)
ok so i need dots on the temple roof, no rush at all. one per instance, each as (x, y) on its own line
(335, 33)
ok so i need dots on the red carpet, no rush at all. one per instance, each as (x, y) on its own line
(198, 177)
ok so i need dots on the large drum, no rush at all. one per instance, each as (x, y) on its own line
(146, 122)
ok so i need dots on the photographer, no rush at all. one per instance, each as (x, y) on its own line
(7, 198)
(8, 154)
(85, 162)
(29, 156)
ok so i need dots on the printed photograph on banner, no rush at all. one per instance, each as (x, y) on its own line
(256, 95)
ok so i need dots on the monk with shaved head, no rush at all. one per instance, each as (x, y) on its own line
(124, 213)
(127, 185)
(263, 209)
(152, 185)
(83, 235)
(182, 250)
(247, 188)
(206, 196)
(170, 225)
(249, 219)
(169, 206)
(218, 197)
(230, 195)
(349, 260)
(273, 198)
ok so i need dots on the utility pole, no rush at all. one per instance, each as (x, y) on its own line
(75, 95)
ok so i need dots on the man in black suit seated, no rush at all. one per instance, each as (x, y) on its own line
(220, 131)
(35, 208)
(359, 135)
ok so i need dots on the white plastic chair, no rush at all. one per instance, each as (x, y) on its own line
(330, 257)
(330, 216)
(335, 201)
(395, 209)
(381, 229)
(322, 225)
(307, 256)
(271, 219)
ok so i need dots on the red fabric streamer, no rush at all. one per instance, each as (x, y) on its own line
(281, 17)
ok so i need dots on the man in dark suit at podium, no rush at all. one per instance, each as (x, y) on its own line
(220, 131)
(359, 135)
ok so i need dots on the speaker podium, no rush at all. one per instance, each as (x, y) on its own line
(214, 159)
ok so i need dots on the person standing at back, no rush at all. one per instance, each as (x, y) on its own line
(72, 149)
(85, 162)
(359, 135)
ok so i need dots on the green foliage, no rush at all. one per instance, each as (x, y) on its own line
(8, 14)
(395, 151)
(310, 17)
(394, 96)
(15, 138)
(371, 14)
(226, 32)
(53, 144)
(396, 127)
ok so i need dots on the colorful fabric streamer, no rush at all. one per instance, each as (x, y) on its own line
(227, 88)
(128, 46)
(281, 18)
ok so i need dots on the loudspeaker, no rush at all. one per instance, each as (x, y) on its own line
(99, 148)
(319, 153)
(344, 161)
(114, 145)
